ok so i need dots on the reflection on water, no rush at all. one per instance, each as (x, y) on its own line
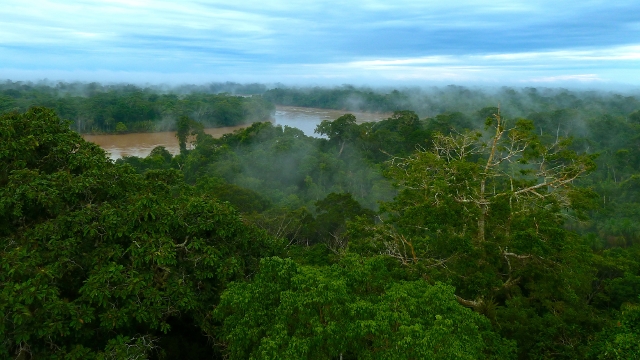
(141, 144)
(306, 119)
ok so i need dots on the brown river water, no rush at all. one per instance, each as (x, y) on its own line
(141, 144)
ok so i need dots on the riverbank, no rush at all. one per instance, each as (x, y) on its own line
(141, 144)
(331, 114)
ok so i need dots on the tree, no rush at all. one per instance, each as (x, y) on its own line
(97, 260)
(352, 310)
(340, 130)
(396, 136)
(121, 127)
(334, 211)
(621, 339)
(185, 127)
(634, 117)
(487, 214)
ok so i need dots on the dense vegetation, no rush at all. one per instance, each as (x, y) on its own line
(94, 108)
(429, 102)
(465, 235)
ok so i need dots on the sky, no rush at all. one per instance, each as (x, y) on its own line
(547, 43)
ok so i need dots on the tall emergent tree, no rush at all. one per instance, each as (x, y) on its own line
(486, 214)
(185, 127)
(340, 130)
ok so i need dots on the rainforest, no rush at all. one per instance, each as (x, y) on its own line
(469, 224)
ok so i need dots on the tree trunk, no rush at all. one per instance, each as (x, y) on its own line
(483, 212)
(341, 147)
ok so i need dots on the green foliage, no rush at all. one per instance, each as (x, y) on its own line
(618, 278)
(559, 109)
(108, 260)
(339, 130)
(485, 213)
(346, 97)
(620, 340)
(158, 159)
(284, 166)
(350, 310)
(333, 213)
(97, 108)
(508, 249)
(186, 127)
(121, 127)
(245, 200)
(98, 261)
(399, 135)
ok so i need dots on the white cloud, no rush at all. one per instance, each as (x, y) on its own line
(382, 63)
(536, 67)
(564, 78)
(404, 40)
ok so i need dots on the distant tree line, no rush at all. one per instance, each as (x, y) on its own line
(346, 98)
(94, 108)
(432, 101)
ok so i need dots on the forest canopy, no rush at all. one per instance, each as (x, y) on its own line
(476, 234)
(94, 108)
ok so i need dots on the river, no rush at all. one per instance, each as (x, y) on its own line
(141, 144)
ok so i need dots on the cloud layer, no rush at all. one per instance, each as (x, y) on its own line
(323, 41)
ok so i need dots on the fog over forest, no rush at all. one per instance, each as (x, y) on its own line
(340, 180)
(424, 101)
(468, 223)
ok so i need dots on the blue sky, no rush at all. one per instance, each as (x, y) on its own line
(582, 43)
